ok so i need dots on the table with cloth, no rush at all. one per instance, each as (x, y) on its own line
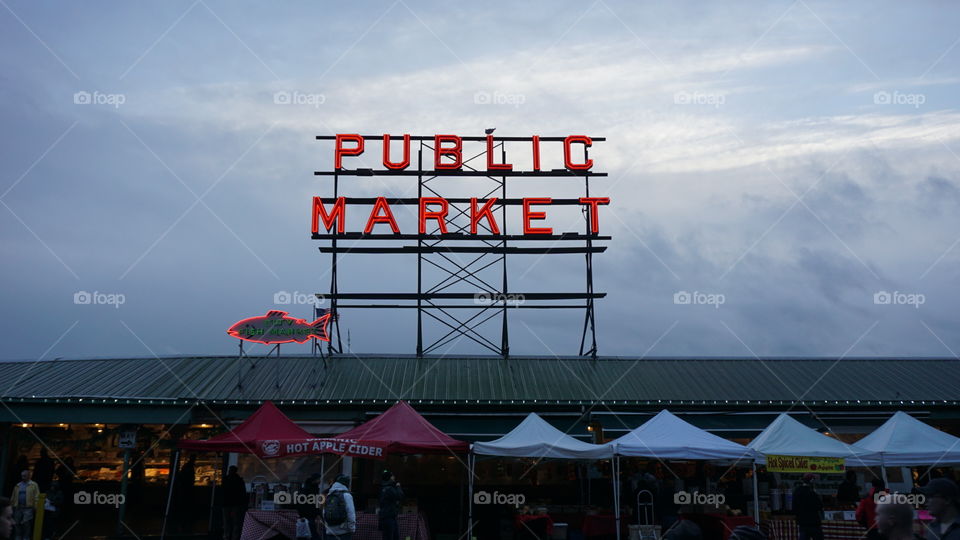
(717, 526)
(260, 524)
(602, 524)
(786, 529)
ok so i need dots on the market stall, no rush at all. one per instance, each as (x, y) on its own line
(905, 441)
(791, 449)
(263, 433)
(666, 437)
(400, 430)
(534, 438)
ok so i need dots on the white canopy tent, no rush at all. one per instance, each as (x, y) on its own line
(665, 436)
(905, 441)
(534, 438)
(786, 436)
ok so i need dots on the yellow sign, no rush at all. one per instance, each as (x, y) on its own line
(805, 464)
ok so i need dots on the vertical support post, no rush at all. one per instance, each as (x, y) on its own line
(123, 490)
(335, 326)
(505, 330)
(173, 479)
(756, 496)
(420, 259)
(471, 463)
(615, 462)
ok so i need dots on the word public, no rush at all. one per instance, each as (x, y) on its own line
(448, 155)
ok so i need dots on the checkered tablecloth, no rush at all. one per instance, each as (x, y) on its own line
(786, 529)
(261, 524)
(412, 526)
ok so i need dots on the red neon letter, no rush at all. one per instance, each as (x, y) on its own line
(339, 151)
(587, 142)
(375, 216)
(486, 211)
(439, 215)
(536, 152)
(528, 216)
(386, 153)
(594, 210)
(491, 166)
(440, 151)
(319, 212)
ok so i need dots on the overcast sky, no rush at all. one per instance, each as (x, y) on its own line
(795, 164)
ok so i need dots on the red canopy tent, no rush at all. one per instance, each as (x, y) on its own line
(262, 434)
(399, 430)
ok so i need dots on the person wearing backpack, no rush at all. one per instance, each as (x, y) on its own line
(339, 514)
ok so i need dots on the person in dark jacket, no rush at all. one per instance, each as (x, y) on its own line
(310, 509)
(390, 496)
(235, 502)
(942, 498)
(809, 509)
(848, 493)
(43, 471)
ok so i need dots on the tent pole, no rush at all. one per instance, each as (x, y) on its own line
(883, 473)
(756, 496)
(616, 493)
(471, 462)
(173, 479)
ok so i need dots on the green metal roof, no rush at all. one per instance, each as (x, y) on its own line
(614, 381)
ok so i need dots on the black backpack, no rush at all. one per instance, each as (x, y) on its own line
(335, 510)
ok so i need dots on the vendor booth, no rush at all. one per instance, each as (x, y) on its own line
(905, 441)
(534, 438)
(790, 449)
(667, 437)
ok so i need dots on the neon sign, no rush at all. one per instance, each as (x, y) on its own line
(448, 157)
(277, 327)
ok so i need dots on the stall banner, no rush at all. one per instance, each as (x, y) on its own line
(305, 447)
(805, 464)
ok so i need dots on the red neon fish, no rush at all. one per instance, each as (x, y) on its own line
(276, 327)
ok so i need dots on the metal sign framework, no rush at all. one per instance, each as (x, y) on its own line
(487, 268)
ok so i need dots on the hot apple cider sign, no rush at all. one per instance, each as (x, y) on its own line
(448, 160)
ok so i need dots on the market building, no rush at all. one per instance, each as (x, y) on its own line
(81, 409)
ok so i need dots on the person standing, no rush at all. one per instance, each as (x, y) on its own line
(310, 509)
(43, 471)
(66, 476)
(809, 509)
(848, 493)
(895, 521)
(183, 487)
(943, 497)
(339, 514)
(235, 502)
(26, 495)
(390, 497)
(866, 513)
(52, 510)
